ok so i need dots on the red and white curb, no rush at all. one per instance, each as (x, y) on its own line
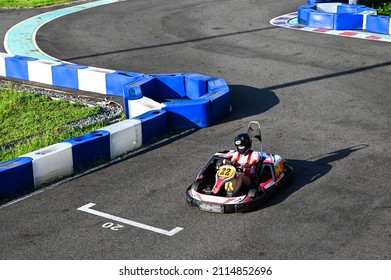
(290, 21)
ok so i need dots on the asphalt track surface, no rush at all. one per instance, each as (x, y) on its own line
(323, 103)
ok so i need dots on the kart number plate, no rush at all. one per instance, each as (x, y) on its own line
(226, 171)
(212, 207)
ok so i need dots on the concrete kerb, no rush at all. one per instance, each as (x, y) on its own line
(179, 101)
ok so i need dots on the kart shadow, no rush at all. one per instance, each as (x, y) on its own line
(309, 170)
(248, 101)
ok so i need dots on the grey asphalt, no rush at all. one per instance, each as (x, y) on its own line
(323, 103)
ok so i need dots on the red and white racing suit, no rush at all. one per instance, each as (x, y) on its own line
(246, 159)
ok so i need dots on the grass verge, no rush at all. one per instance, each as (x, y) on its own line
(31, 3)
(30, 121)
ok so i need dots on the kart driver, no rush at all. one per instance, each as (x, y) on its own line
(246, 158)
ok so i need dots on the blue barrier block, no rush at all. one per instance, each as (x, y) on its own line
(90, 148)
(366, 9)
(216, 83)
(153, 125)
(117, 80)
(348, 8)
(166, 86)
(346, 17)
(182, 112)
(220, 104)
(196, 85)
(378, 24)
(16, 177)
(131, 92)
(303, 14)
(138, 88)
(17, 67)
(321, 20)
(185, 114)
(348, 21)
(66, 75)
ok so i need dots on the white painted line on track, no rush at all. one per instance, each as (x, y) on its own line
(87, 208)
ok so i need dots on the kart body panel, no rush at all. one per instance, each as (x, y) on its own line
(272, 174)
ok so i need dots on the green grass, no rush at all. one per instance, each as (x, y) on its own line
(31, 121)
(30, 3)
(384, 9)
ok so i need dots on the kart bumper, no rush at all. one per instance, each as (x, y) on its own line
(247, 206)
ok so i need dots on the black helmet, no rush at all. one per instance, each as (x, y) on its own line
(243, 143)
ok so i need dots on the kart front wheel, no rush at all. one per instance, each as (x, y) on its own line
(252, 193)
(196, 186)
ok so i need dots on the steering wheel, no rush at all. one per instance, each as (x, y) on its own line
(238, 166)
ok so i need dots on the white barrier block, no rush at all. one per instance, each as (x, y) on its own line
(125, 136)
(51, 162)
(41, 71)
(2, 64)
(389, 29)
(327, 7)
(93, 79)
(142, 105)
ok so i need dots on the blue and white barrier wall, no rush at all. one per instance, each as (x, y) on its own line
(34, 169)
(190, 100)
(154, 104)
(66, 75)
(342, 16)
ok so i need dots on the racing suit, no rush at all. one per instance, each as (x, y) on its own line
(251, 157)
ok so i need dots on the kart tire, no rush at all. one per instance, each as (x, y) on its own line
(196, 186)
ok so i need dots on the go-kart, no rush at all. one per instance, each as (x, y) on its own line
(212, 189)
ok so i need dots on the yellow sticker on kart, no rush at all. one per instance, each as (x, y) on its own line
(226, 171)
(279, 167)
